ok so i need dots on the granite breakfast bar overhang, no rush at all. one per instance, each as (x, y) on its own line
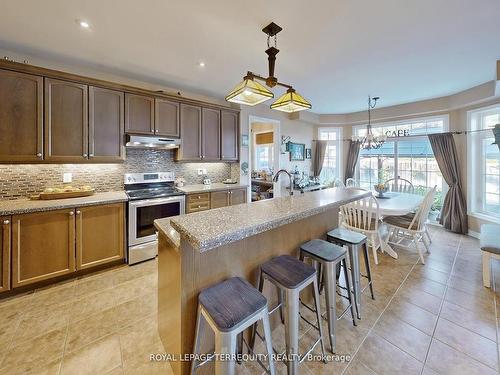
(204, 248)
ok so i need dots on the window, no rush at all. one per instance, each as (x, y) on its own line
(264, 157)
(484, 164)
(407, 153)
(332, 162)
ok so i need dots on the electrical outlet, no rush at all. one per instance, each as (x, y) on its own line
(67, 177)
(202, 171)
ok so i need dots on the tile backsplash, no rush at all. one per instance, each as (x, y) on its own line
(22, 180)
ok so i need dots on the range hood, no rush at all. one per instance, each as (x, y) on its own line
(144, 141)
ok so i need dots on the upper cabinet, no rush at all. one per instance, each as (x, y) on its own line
(190, 133)
(167, 118)
(21, 117)
(139, 114)
(229, 135)
(66, 121)
(210, 131)
(106, 125)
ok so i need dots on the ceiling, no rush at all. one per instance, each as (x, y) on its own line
(334, 52)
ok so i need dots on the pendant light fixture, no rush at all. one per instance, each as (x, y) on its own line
(370, 141)
(250, 92)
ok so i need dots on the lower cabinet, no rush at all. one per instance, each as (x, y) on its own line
(238, 196)
(43, 246)
(55, 243)
(5, 228)
(99, 235)
(219, 199)
(215, 199)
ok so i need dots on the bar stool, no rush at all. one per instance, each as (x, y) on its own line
(353, 241)
(291, 276)
(328, 256)
(229, 308)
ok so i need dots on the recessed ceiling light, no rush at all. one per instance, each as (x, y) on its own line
(84, 24)
(201, 63)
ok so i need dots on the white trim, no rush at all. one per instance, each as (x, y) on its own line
(484, 217)
(474, 234)
(340, 146)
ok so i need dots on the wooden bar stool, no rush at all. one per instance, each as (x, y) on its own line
(353, 241)
(229, 308)
(291, 276)
(328, 256)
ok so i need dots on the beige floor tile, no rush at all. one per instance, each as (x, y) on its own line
(403, 335)
(470, 343)
(429, 273)
(33, 368)
(422, 299)
(384, 358)
(447, 361)
(358, 368)
(473, 302)
(476, 322)
(9, 321)
(426, 285)
(97, 358)
(116, 371)
(470, 286)
(438, 265)
(413, 314)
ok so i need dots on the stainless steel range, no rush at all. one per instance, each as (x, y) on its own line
(151, 196)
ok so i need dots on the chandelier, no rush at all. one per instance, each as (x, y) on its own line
(370, 141)
(250, 92)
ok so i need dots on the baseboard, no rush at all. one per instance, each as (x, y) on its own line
(474, 234)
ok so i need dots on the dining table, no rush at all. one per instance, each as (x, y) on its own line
(396, 204)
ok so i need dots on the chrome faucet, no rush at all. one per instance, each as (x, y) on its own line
(277, 176)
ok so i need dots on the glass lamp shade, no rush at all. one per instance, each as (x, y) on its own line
(291, 102)
(249, 92)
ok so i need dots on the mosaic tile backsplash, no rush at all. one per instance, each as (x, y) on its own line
(23, 180)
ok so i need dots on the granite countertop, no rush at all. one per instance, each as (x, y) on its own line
(207, 230)
(23, 206)
(200, 188)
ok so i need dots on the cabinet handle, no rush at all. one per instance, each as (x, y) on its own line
(39, 155)
(91, 155)
(199, 206)
(6, 222)
(156, 131)
(71, 213)
(78, 212)
(199, 197)
(84, 155)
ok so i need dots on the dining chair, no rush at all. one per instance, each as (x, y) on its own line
(412, 226)
(400, 185)
(351, 182)
(363, 216)
(338, 183)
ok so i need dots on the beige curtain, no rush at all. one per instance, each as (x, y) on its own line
(352, 158)
(319, 157)
(454, 211)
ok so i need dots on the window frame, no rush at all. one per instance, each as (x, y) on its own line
(475, 164)
(339, 143)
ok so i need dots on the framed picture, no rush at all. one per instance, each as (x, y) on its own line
(297, 151)
(244, 140)
(308, 153)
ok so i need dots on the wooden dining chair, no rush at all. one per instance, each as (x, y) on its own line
(412, 226)
(400, 185)
(363, 216)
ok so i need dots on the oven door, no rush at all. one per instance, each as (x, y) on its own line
(143, 213)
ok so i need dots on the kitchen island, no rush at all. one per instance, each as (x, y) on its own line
(204, 248)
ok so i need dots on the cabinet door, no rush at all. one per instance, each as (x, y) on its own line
(229, 135)
(99, 235)
(139, 114)
(167, 118)
(210, 131)
(5, 227)
(106, 125)
(190, 133)
(21, 117)
(43, 246)
(66, 121)
(238, 196)
(219, 199)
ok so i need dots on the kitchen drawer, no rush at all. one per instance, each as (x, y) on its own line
(198, 198)
(196, 206)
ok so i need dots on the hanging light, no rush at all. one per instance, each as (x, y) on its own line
(371, 141)
(291, 102)
(250, 92)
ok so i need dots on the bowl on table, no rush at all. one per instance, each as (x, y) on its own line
(381, 189)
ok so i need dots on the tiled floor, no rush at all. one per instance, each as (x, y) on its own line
(432, 319)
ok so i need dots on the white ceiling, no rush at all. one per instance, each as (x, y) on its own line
(334, 52)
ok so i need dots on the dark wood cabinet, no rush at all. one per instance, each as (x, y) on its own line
(106, 125)
(43, 246)
(219, 199)
(190, 133)
(167, 118)
(99, 235)
(229, 135)
(21, 117)
(5, 240)
(139, 114)
(66, 121)
(238, 196)
(210, 130)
